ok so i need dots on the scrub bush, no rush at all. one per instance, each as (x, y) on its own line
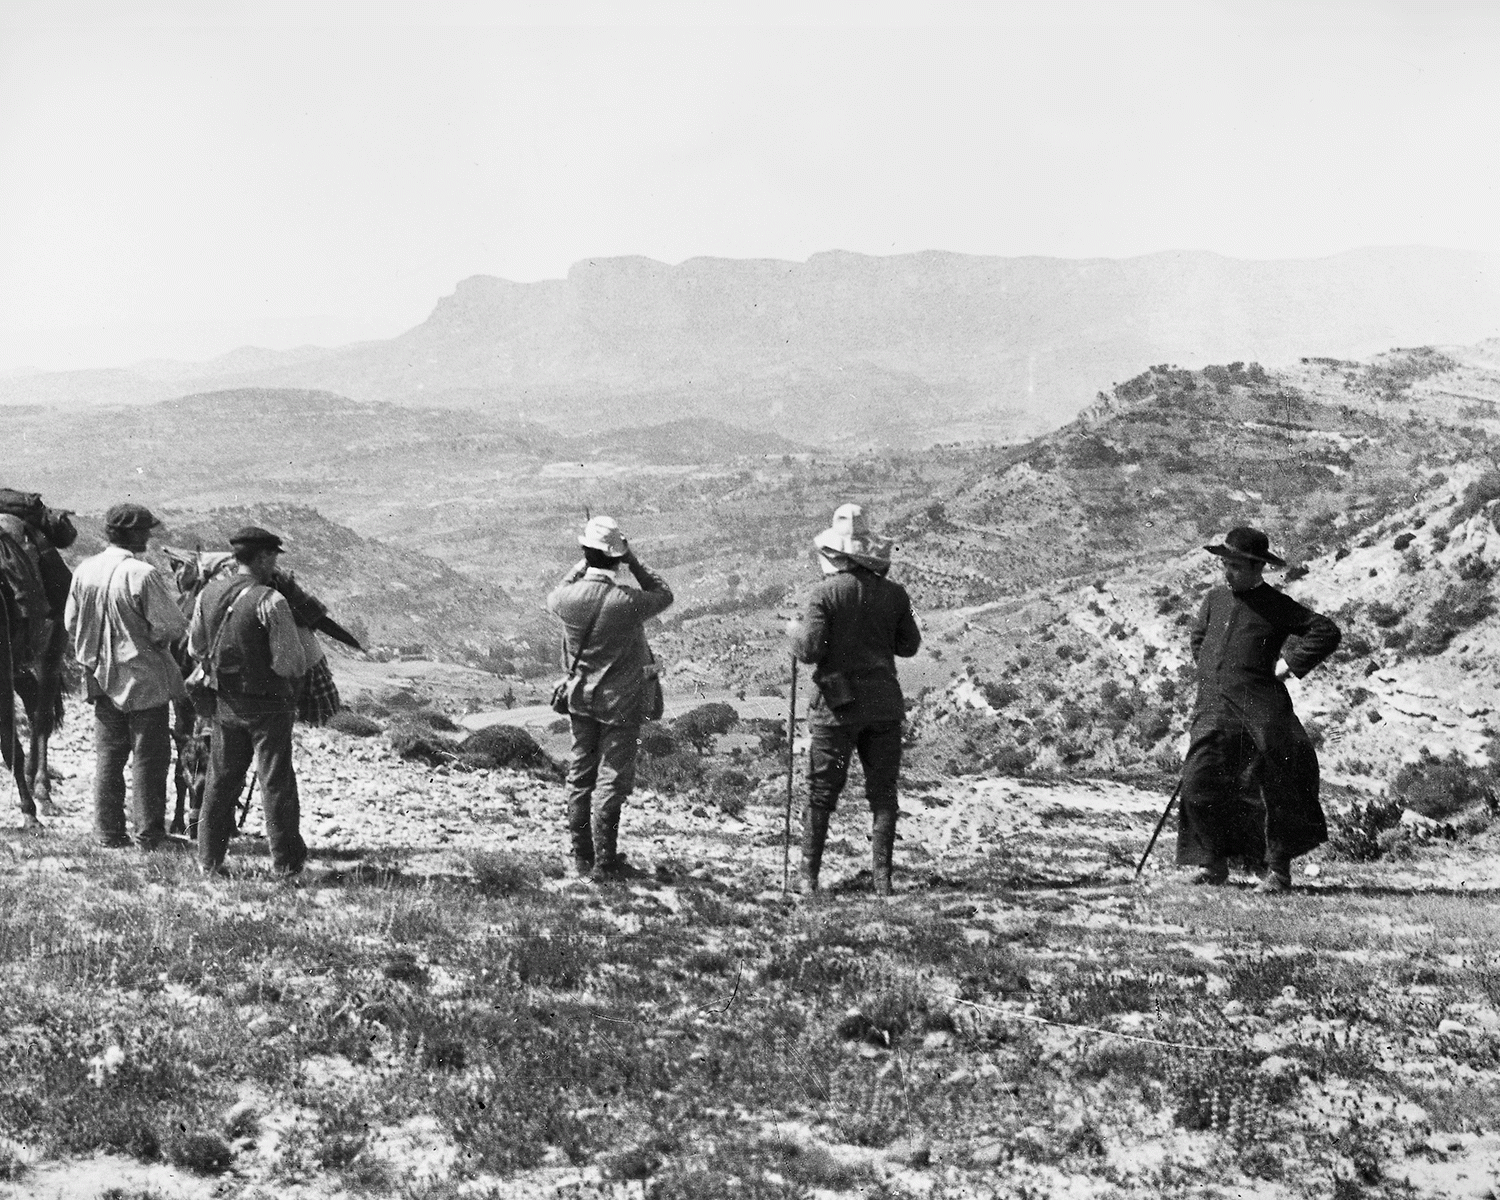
(1440, 787)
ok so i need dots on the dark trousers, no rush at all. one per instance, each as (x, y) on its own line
(243, 734)
(879, 750)
(144, 739)
(1238, 802)
(603, 765)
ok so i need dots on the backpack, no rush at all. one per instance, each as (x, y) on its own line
(22, 589)
(53, 523)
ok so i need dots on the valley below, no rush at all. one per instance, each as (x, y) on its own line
(443, 1011)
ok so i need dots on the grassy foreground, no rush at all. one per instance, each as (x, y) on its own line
(498, 1031)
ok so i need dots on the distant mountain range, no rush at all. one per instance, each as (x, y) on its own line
(846, 349)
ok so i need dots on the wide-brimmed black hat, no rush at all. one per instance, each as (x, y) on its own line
(1248, 544)
(254, 535)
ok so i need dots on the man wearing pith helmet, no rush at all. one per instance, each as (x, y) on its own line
(1244, 731)
(857, 622)
(245, 637)
(611, 689)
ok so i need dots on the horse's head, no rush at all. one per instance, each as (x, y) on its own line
(56, 523)
(192, 569)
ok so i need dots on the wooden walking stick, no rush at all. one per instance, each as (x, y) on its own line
(1156, 833)
(791, 762)
(250, 795)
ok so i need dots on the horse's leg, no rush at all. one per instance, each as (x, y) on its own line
(40, 703)
(15, 758)
(200, 745)
(37, 772)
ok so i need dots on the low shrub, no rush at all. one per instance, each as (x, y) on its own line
(657, 739)
(1353, 645)
(702, 724)
(355, 724)
(1010, 759)
(1474, 567)
(505, 746)
(682, 770)
(1461, 606)
(434, 719)
(416, 743)
(1476, 496)
(1440, 787)
(1383, 615)
(1355, 833)
(502, 873)
(730, 790)
(1000, 695)
(201, 1153)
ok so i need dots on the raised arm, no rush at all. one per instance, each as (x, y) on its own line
(655, 595)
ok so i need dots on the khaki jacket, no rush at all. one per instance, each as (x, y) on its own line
(609, 683)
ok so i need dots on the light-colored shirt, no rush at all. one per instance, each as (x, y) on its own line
(288, 659)
(123, 618)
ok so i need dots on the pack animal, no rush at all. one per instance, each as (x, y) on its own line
(34, 585)
(192, 570)
(192, 722)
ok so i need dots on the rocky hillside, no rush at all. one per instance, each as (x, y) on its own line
(394, 600)
(1056, 581)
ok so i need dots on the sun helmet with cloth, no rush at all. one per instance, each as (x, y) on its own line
(850, 538)
(603, 534)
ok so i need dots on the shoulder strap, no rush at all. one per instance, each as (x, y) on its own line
(221, 619)
(588, 631)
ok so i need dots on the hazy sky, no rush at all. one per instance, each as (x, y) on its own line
(183, 177)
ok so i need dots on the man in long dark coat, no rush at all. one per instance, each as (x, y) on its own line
(1244, 731)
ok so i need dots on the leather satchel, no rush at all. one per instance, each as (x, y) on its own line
(561, 692)
(836, 689)
(656, 703)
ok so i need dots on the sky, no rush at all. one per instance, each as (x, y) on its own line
(179, 178)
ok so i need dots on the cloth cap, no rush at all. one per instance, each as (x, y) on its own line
(849, 537)
(254, 535)
(601, 533)
(129, 518)
(1248, 544)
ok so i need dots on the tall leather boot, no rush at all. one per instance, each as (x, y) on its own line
(882, 845)
(814, 834)
(581, 834)
(608, 862)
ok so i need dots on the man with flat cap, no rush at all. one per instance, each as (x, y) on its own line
(1245, 736)
(245, 638)
(122, 619)
(611, 687)
(858, 622)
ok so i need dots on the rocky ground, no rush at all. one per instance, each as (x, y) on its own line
(1025, 1019)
